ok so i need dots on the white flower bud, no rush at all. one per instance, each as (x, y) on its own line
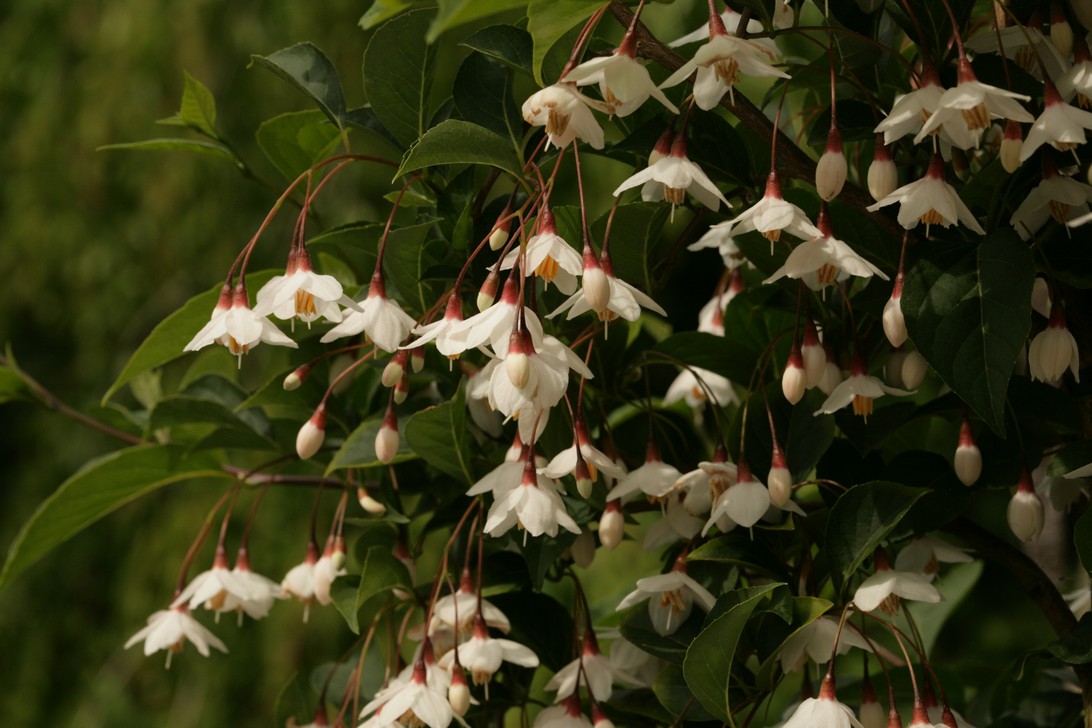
(968, 463)
(297, 377)
(894, 323)
(1026, 511)
(782, 14)
(1054, 350)
(832, 377)
(914, 368)
(892, 369)
(873, 715)
(369, 504)
(1061, 34)
(386, 442)
(497, 239)
(484, 300)
(1040, 297)
(1011, 145)
(393, 371)
(612, 525)
(309, 438)
(596, 288)
(883, 176)
(417, 360)
(401, 390)
(518, 367)
(794, 378)
(458, 694)
(779, 481)
(583, 549)
(830, 173)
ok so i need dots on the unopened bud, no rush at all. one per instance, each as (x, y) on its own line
(872, 714)
(794, 378)
(611, 525)
(892, 369)
(487, 294)
(782, 14)
(1026, 510)
(832, 374)
(337, 556)
(883, 176)
(596, 288)
(1011, 146)
(914, 368)
(584, 480)
(518, 367)
(813, 355)
(394, 369)
(830, 173)
(1061, 32)
(417, 360)
(386, 440)
(961, 165)
(296, 378)
(599, 718)
(309, 438)
(894, 323)
(499, 236)
(401, 390)
(583, 549)
(1040, 297)
(458, 694)
(338, 365)
(369, 504)
(968, 458)
(779, 480)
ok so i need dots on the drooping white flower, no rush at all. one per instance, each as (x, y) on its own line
(743, 502)
(654, 478)
(818, 262)
(677, 524)
(566, 114)
(1077, 81)
(975, 103)
(566, 715)
(380, 318)
(565, 462)
(772, 214)
(860, 389)
(1054, 350)
(548, 364)
(547, 256)
(911, 109)
(329, 567)
(815, 642)
(884, 588)
(235, 325)
(1060, 125)
(677, 175)
(418, 701)
(930, 200)
(256, 593)
(698, 386)
(924, 554)
(534, 505)
(458, 611)
(299, 582)
(482, 654)
(624, 301)
(623, 81)
(599, 673)
(824, 711)
(670, 597)
(448, 333)
(1057, 196)
(719, 236)
(168, 629)
(211, 588)
(301, 293)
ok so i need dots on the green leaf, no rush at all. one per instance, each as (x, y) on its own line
(635, 246)
(458, 12)
(460, 142)
(382, 571)
(708, 663)
(506, 43)
(674, 694)
(954, 585)
(165, 342)
(398, 74)
(549, 20)
(308, 69)
(210, 149)
(358, 450)
(383, 10)
(1076, 647)
(740, 549)
(198, 109)
(343, 593)
(805, 610)
(969, 314)
(860, 519)
(12, 386)
(293, 142)
(99, 488)
(483, 95)
(438, 434)
(1071, 457)
(402, 264)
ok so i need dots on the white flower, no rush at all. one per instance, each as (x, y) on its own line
(448, 333)
(924, 554)
(257, 592)
(566, 715)
(1060, 125)
(1053, 350)
(299, 582)
(820, 261)
(772, 214)
(670, 598)
(210, 588)
(302, 293)
(910, 109)
(718, 64)
(688, 385)
(676, 524)
(534, 505)
(815, 642)
(975, 103)
(1063, 198)
(930, 200)
(565, 113)
(860, 389)
(623, 81)
(719, 236)
(744, 502)
(1025, 511)
(1078, 79)
(599, 673)
(677, 175)
(625, 301)
(547, 376)
(381, 319)
(482, 655)
(237, 326)
(328, 568)
(822, 712)
(730, 20)
(884, 587)
(655, 478)
(565, 462)
(547, 256)
(416, 700)
(168, 629)
(464, 604)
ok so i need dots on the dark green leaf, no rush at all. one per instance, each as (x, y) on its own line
(860, 519)
(165, 342)
(458, 12)
(1076, 647)
(11, 386)
(293, 142)
(358, 450)
(196, 146)
(398, 74)
(438, 434)
(382, 571)
(102, 486)
(483, 95)
(635, 242)
(549, 20)
(805, 610)
(460, 142)
(403, 264)
(540, 622)
(739, 549)
(955, 585)
(1071, 457)
(637, 628)
(708, 663)
(293, 702)
(674, 694)
(969, 314)
(198, 109)
(506, 43)
(343, 593)
(382, 10)
(308, 69)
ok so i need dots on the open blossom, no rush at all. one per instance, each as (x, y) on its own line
(1060, 125)
(535, 375)
(884, 588)
(416, 702)
(448, 333)
(743, 502)
(677, 524)
(547, 256)
(975, 103)
(860, 389)
(235, 325)
(458, 611)
(624, 300)
(930, 200)
(599, 673)
(1057, 196)
(381, 319)
(820, 261)
(772, 214)
(655, 478)
(301, 293)
(623, 81)
(823, 712)
(815, 642)
(566, 114)
(910, 109)
(677, 175)
(482, 655)
(719, 236)
(565, 462)
(670, 597)
(924, 555)
(697, 386)
(534, 505)
(168, 629)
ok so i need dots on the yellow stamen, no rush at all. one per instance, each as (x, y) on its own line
(890, 605)
(826, 274)
(862, 405)
(673, 599)
(773, 235)
(932, 217)
(305, 304)
(977, 117)
(675, 195)
(547, 269)
(556, 122)
(1059, 210)
(727, 71)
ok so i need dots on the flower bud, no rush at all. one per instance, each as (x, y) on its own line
(612, 525)
(596, 286)
(401, 390)
(830, 173)
(337, 556)
(832, 374)
(794, 378)
(338, 365)
(487, 294)
(458, 694)
(779, 481)
(499, 236)
(813, 355)
(1011, 145)
(961, 165)
(369, 504)
(584, 480)
(583, 549)
(968, 458)
(1026, 510)
(894, 323)
(1053, 350)
(892, 369)
(296, 378)
(516, 364)
(872, 714)
(309, 438)
(1061, 32)
(386, 440)
(417, 360)
(914, 368)
(883, 176)
(782, 14)
(394, 369)
(1040, 297)
(599, 718)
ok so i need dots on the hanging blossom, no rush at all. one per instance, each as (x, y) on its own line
(910, 110)
(448, 333)
(1053, 350)
(235, 325)
(1060, 125)
(380, 318)
(1077, 81)
(301, 293)
(494, 325)
(623, 81)
(1057, 196)
(624, 300)
(418, 701)
(884, 588)
(168, 629)
(818, 262)
(772, 215)
(719, 63)
(815, 642)
(482, 654)
(670, 597)
(526, 373)
(677, 175)
(823, 712)
(547, 255)
(599, 673)
(566, 114)
(533, 505)
(975, 103)
(654, 478)
(930, 200)
(860, 389)
(467, 605)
